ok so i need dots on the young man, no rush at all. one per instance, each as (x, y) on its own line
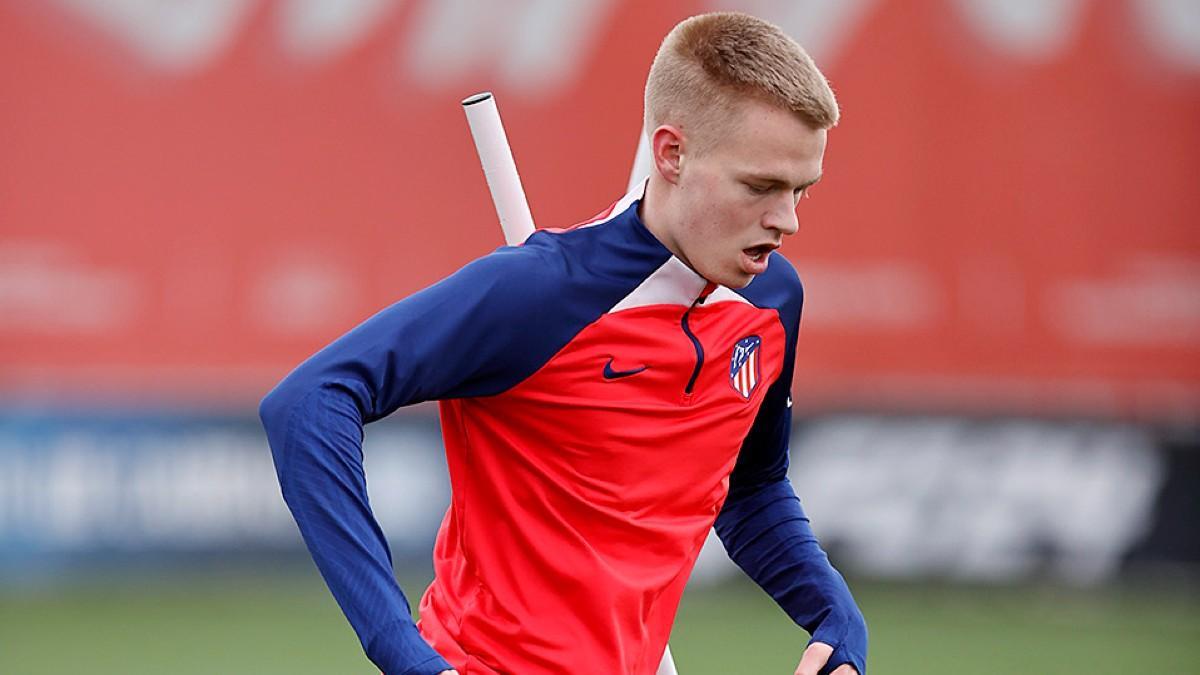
(608, 393)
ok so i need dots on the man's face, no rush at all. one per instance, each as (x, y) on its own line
(739, 196)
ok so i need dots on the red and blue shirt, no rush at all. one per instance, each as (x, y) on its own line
(602, 407)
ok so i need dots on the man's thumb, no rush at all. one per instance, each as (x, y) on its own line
(814, 658)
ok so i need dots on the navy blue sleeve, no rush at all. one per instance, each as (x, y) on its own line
(762, 524)
(460, 337)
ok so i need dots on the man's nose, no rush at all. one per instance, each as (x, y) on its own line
(782, 216)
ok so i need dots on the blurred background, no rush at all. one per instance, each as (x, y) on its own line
(997, 395)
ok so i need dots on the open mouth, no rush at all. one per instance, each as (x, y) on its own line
(758, 253)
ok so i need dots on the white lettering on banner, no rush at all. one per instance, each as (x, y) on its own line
(978, 500)
(983, 501)
(192, 488)
(409, 486)
(178, 36)
(1035, 30)
(1041, 30)
(301, 292)
(82, 496)
(887, 295)
(318, 29)
(535, 46)
(45, 288)
(207, 490)
(1173, 27)
(1156, 301)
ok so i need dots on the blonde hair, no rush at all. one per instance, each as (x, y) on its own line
(707, 63)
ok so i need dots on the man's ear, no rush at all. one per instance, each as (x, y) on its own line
(666, 146)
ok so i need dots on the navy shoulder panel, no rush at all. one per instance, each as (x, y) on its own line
(489, 325)
(580, 274)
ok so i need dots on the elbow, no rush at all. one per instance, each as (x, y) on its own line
(274, 408)
(275, 411)
(303, 417)
(280, 412)
(277, 406)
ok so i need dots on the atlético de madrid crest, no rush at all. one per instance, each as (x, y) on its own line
(745, 371)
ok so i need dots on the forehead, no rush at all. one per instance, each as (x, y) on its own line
(766, 139)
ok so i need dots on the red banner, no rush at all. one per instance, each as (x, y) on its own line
(194, 196)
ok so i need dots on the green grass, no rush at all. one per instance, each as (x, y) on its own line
(288, 623)
(935, 630)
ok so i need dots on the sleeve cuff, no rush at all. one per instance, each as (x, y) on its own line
(842, 655)
(848, 636)
(399, 649)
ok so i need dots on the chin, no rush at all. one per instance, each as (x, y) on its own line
(734, 280)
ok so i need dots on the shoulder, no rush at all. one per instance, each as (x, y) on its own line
(595, 263)
(519, 305)
(506, 268)
(616, 246)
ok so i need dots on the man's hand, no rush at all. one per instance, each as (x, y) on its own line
(815, 657)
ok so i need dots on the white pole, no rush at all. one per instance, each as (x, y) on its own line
(667, 666)
(641, 162)
(499, 169)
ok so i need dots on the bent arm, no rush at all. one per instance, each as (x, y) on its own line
(316, 442)
(409, 352)
(768, 535)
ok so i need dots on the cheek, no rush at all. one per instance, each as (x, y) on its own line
(715, 226)
(717, 215)
(730, 219)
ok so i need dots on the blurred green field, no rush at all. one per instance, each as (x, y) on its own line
(245, 623)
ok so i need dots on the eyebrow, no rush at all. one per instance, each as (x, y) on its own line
(775, 181)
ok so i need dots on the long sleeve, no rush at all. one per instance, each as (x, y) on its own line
(766, 532)
(768, 535)
(456, 338)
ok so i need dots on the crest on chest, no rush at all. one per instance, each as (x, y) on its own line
(745, 368)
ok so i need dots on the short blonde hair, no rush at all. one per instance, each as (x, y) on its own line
(707, 63)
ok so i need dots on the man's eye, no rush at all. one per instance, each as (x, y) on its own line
(757, 189)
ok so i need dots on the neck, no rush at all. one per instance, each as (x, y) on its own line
(655, 212)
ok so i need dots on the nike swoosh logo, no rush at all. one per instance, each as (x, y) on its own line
(610, 374)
